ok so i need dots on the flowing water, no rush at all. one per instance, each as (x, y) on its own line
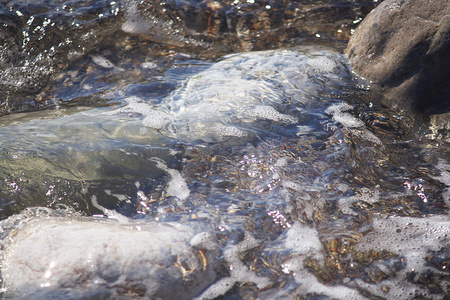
(156, 173)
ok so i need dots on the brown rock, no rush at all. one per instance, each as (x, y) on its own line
(403, 48)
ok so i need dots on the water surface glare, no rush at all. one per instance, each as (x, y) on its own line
(261, 175)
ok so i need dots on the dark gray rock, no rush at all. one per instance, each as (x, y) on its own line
(403, 48)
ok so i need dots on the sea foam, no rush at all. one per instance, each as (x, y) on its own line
(413, 239)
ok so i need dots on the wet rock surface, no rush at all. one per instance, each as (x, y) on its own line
(298, 185)
(252, 25)
(60, 254)
(253, 175)
(403, 48)
(39, 40)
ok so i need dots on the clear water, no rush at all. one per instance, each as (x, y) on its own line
(271, 174)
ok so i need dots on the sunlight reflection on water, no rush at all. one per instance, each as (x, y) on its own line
(294, 196)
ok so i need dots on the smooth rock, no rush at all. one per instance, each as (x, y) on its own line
(224, 100)
(403, 48)
(57, 254)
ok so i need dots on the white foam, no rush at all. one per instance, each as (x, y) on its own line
(310, 285)
(301, 238)
(219, 287)
(204, 240)
(111, 214)
(401, 234)
(270, 113)
(153, 118)
(222, 130)
(239, 272)
(242, 88)
(323, 64)
(339, 114)
(177, 186)
(303, 241)
(410, 238)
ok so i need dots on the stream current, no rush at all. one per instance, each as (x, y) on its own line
(260, 175)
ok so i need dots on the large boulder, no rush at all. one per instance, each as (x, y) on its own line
(403, 48)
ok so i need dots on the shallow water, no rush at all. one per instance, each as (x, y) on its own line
(271, 174)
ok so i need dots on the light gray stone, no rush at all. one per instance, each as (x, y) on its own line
(58, 254)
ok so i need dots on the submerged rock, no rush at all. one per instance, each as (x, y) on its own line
(40, 40)
(229, 98)
(295, 179)
(244, 25)
(403, 48)
(59, 254)
(416, 241)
